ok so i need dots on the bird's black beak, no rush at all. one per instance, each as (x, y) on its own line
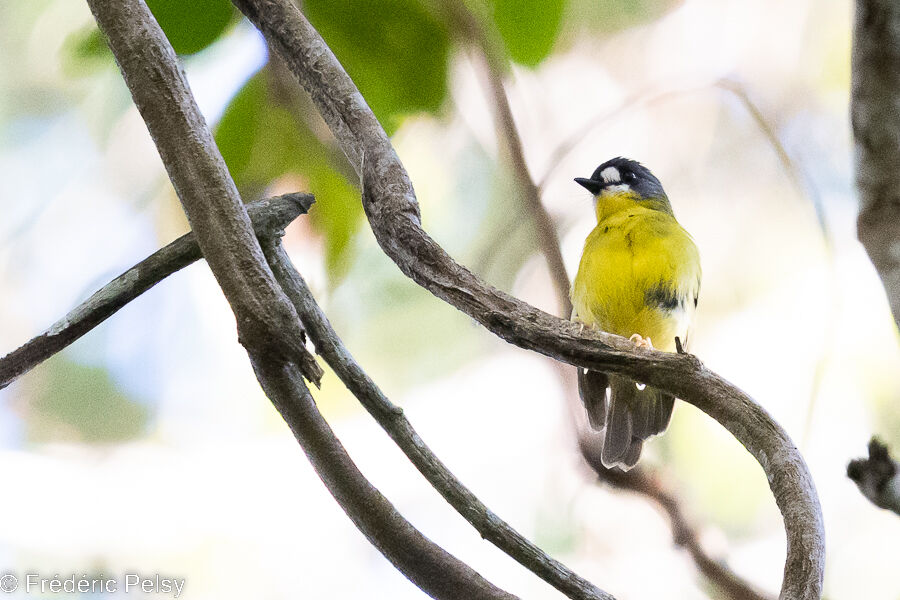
(590, 185)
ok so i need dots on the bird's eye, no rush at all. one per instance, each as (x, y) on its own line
(628, 177)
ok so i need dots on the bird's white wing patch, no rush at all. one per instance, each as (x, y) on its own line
(610, 175)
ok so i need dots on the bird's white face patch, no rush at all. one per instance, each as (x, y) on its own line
(610, 175)
(612, 190)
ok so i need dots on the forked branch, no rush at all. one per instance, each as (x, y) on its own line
(267, 322)
(268, 216)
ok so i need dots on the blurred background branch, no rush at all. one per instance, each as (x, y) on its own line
(875, 118)
(876, 132)
(648, 483)
(491, 54)
(391, 418)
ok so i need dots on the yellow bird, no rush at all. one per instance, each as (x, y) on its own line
(639, 277)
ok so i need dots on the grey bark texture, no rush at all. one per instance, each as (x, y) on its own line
(268, 325)
(875, 117)
(393, 213)
(266, 321)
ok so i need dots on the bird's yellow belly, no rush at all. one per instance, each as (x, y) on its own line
(639, 273)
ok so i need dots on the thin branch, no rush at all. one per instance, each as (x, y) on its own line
(875, 116)
(877, 477)
(808, 190)
(495, 65)
(391, 418)
(393, 213)
(269, 216)
(438, 573)
(647, 483)
(543, 222)
(278, 356)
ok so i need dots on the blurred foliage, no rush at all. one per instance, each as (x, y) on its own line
(396, 52)
(81, 402)
(529, 29)
(190, 26)
(262, 138)
(607, 16)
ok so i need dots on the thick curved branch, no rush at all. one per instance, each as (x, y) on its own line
(267, 323)
(875, 116)
(269, 216)
(391, 418)
(393, 212)
(877, 477)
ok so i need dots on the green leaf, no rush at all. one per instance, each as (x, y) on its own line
(395, 51)
(262, 140)
(529, 28)
(89, 44)
(81, 402)
(192, 25)
(337, 216)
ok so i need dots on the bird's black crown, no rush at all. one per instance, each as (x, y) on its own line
(624, 171)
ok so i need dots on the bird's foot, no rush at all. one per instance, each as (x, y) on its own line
(589, 326)
(641, 342)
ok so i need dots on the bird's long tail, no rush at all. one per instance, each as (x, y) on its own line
(628, 415)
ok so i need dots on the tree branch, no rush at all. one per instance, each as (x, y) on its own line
(391, 418)
(877, 477)
(495, 65)
(438, 573)
(392, 209)
(267, 323)
(269, 216)
(875, 116)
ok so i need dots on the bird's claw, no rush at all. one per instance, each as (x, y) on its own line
(641, 342)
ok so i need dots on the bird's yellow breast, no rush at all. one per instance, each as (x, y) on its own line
(639, 273)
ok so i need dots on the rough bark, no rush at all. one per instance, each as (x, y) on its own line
(269, 216)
